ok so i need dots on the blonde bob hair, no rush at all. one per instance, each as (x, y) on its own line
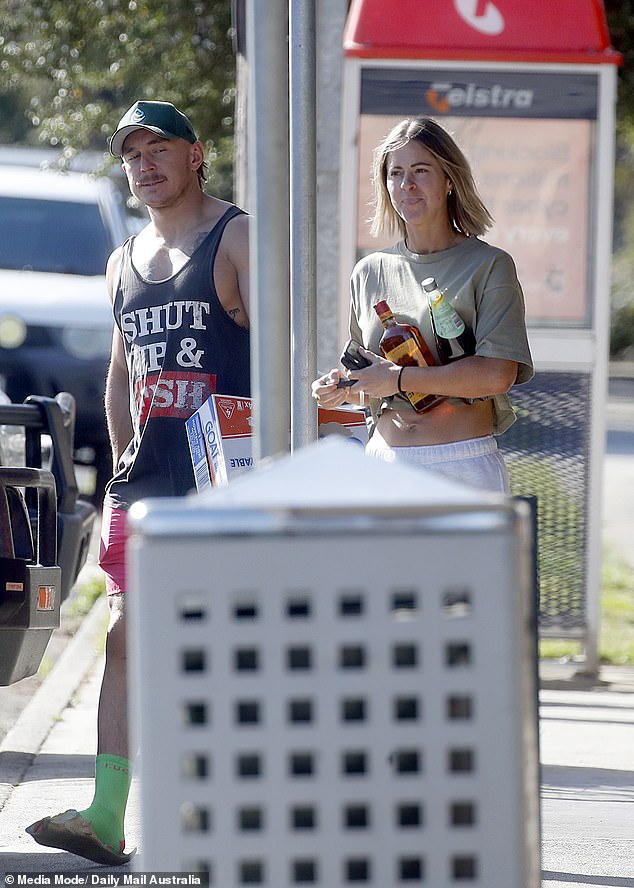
(467, 212)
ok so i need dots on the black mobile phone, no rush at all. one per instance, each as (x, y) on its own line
(351, 359)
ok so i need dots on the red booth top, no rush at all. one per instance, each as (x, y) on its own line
(572, 31)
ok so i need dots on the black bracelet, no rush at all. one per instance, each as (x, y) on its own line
(398, 382)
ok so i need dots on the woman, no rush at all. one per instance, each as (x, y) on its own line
(424, 188)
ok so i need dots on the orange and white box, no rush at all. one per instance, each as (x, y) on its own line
(220, 436)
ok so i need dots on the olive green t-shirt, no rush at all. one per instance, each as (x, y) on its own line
(479, 280)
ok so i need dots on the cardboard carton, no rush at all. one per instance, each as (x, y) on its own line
(220, 433)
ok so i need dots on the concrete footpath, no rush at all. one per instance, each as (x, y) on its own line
(587, 775)
(47, 759)
(586, 738)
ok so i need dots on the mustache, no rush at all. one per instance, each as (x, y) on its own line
(148, 180)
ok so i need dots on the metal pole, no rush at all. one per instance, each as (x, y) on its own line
(601, 286)
(331, 17)
(303, 178)
(267, 114)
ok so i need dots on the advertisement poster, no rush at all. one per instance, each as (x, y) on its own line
(532, 172)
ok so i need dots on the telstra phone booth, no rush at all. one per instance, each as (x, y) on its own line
(527, 89)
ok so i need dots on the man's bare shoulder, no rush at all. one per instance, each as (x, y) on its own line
(215, 209)
(236, 234)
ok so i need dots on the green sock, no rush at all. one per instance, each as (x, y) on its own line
(107, 809)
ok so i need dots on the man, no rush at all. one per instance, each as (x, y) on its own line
(179, 291)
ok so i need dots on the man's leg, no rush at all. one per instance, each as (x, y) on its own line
(97, 832)
(106, 813)
(112, 718)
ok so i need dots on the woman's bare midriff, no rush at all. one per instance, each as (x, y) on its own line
(448, 422)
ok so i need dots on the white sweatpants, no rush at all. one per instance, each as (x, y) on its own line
(476, 462)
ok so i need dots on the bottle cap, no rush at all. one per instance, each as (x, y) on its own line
(381, 307)
(429, 284)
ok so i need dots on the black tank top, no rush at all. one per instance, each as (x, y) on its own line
(181, 346)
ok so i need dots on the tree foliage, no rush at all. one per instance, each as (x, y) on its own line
(620, 17)
(68, 71)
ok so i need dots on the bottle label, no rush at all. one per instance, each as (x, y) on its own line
(449, 324)
(410, 349)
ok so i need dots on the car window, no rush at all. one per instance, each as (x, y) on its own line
(52, 235)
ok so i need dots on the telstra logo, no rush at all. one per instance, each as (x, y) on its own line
(446, 97)
(482, 15)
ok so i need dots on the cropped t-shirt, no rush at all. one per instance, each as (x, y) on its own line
(479, 280)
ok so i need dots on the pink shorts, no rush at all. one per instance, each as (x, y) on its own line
(114, 535)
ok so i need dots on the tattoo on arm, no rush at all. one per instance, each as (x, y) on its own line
(233, 313)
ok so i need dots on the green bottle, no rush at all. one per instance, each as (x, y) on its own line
(453, 338)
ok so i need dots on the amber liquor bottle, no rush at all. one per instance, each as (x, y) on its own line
(453, 338)
(404, 345)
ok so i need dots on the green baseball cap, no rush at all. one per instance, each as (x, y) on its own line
(161, 118)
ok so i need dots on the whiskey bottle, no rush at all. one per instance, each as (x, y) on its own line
(403, 344)
(452, 337)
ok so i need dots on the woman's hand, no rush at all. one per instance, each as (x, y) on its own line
(326, 392)
(379, 380)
